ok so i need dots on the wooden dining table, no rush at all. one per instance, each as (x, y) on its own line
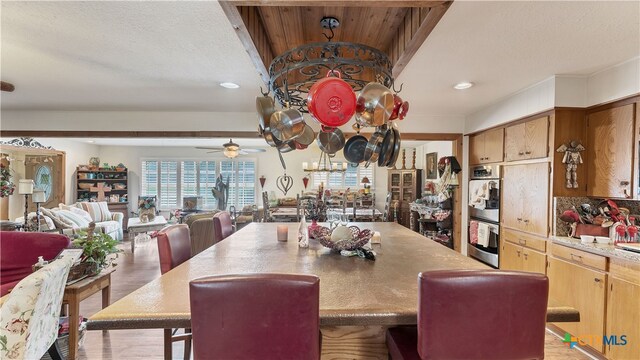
(359, 298)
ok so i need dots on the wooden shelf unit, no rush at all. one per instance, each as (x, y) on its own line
(119, 177)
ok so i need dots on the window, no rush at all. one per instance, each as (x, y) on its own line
(352, 178)
(170, 181)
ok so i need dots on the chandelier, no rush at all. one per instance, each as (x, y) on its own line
(292, 74)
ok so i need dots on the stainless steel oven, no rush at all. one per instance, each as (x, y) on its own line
(484, 214)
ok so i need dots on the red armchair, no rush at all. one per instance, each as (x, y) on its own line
(20, 250)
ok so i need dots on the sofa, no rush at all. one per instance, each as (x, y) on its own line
(69, 219)
(20, 250)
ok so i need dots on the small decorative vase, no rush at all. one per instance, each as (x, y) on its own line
(303, 234)
(147, 214)
(314, 225)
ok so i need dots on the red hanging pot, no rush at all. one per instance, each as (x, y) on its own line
(331, 100)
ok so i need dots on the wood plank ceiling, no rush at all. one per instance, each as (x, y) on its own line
(268, 28)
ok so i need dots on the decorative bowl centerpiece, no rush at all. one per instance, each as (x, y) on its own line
(342, 237)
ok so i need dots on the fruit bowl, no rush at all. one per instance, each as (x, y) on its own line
(358, 238)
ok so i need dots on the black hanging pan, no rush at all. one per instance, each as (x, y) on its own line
(354, 148)
(386, 148)
(396, 148)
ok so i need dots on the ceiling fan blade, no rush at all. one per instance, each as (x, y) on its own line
(214, 151)
(5, 86)
(209, 148)
(253, 150)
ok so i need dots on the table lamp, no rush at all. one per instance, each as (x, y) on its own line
(25, 187)
(366, 182)
(38, 197)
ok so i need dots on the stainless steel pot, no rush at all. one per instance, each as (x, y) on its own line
(330, 140)
(374, 105)
(287, 124)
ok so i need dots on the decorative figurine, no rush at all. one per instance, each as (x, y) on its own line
(221, 192)
(571, 158)
(404, 167)
(413, 164)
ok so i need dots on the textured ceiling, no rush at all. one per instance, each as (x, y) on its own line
(172, 55)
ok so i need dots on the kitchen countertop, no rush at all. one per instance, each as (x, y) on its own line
(608, 250)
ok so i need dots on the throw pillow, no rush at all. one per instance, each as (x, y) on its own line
(59, 222)
(99, 211)
(76, 219)
(85, 215)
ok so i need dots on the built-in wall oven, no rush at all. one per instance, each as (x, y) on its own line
(484, 214)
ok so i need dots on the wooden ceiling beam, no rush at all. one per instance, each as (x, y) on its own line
(340, 3)
(412, 33)
(129, 134)
(253, 35)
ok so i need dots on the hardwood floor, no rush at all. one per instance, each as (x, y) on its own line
(133, 271)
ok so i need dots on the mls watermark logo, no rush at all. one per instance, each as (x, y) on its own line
(594, 340)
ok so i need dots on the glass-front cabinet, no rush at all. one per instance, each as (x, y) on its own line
(405, 186)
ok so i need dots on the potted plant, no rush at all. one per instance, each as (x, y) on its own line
(313, 211)
(96, 250)
(6, 185)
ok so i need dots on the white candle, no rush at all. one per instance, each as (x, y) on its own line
(283, 232)
(335, 166)
(305, 165)
(315, 165)
(344, 165)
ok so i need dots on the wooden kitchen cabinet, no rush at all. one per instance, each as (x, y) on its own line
(583, 289)
(609, 154)
(623, 318)
(516, 255)
(528, 140)
(486, 147)
(525, 194)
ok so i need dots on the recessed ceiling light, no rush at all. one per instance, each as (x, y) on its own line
(90, 141)
(463, 85)
(229, 85)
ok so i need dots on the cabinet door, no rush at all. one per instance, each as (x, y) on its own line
(510, 256)
(535, 198)
(623, 318)
(514, 144)
(512, 187)
(583, 289)
(533, 261)
(610, 152)
(536, 138)
(493, 145)
(476, 149)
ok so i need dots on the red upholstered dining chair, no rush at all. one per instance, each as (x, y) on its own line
(222, 226)
(174, 248)
(475, 314)
(20, 250)
(255, 316)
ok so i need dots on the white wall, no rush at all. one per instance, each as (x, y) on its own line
(76, 153)
(614, 83)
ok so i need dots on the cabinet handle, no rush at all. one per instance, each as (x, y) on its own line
(626, 194)
(526, 221)
(520, 153)
(576, 257)
(519, 219)
(487, 158)
(522, 242)
(624, 183)
(518, 251)
(525, 255)
(597, 280)
(528, 152)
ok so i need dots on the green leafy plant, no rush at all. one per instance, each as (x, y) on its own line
(96, 248)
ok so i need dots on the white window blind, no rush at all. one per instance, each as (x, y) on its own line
(170, 181)
(168, 197)
(352, 178)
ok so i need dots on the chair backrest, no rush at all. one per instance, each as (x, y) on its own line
(481, 314)
(222, 226)
(29, 316)
(21, 249)
(255, 316)
(174, 246)
(201, 231)
(266, 215)
(387, 207)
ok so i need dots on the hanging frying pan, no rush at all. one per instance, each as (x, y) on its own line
(354, 149)
(331, 100)
(265, 107)
(396, 148)
(286, 124)
(386, 149)
(372, 151)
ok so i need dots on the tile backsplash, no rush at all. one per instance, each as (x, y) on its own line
(560, 204)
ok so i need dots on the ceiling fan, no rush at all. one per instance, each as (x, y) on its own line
(230, 150)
